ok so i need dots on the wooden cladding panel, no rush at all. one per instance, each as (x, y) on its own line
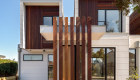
(90, 8)
(72, 48)
(89, 46)
(34, 18)
(54, 48)
(83, 48)
(78, 48)
(60, 48)
(66, 48)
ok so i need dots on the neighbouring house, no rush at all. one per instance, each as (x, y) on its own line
(2, 56)
(97, 45)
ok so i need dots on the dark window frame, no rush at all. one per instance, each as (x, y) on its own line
(32, 54)
(106, 61)
(106, 18)
(49, 16)
(135, 55)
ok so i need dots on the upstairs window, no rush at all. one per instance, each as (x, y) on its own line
(49, 20)
(110, 18)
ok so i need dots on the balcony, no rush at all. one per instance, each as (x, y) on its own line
(96, 31)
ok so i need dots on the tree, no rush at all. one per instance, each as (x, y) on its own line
(127, 5)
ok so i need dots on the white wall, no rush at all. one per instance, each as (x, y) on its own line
(121, 42)
(34, 70)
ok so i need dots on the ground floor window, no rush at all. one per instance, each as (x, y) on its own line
(132, 61)
(103, 64)
(50, 67)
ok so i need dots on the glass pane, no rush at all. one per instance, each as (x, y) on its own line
(33, 57)
(50, 72)
(110, 63)
(47, 20)
(101, 23)
(131, 61)
(57, 20)
(50, 59)
(101, 15)
(98, 64)
(113, 21)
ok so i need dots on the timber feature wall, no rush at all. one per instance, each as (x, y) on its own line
(34, 18)
(90, 8)
(69, 61)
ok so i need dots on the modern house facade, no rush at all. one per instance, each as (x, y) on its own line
(97, 44)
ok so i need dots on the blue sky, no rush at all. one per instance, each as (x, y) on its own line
(10, 25)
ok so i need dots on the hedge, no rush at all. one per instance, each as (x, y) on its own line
(8, 67)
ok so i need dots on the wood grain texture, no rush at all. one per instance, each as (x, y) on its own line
(60, 48)
(134, 20)
(77, 48)
(90, 8)
(89, 46)
(54, 49)
(34, 18)
(83, 48)
(72, 48)
(66, 48)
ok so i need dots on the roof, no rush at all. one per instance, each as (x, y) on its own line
(2, 56)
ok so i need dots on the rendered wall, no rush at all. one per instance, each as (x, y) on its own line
(121, 42)
(34, 70)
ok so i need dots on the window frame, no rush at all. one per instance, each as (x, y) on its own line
(49, 16)
(106, 18)
(135, 55)
(106, 61)
(32, 54)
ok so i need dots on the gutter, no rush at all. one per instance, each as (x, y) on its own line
(19, 52)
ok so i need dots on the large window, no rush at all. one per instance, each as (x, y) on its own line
(32, 57)
(110, 18)
(50, 67)
(132, 61)
(49, 20)
(103, 63)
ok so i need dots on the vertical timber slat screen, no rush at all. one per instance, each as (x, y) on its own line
(78, 48)
(60, 48)
(66, 48)
(72, 48)
(83, 48)
(89, 46)
(69, 57)
(54, 48)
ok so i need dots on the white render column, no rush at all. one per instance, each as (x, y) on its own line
(138, 60)
(76, 3)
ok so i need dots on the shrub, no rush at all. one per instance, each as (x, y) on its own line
(8, 67)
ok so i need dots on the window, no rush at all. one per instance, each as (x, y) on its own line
(50, 67)
(132, 61)
(32, 57)
(110, 18)
(103, 63)
(49, 20)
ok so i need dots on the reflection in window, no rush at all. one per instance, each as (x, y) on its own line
(113, 21)
(50, 59)
(102, 61)
(50, 67)
(47, 20)
(50, 72)
(98, 63)
(110, 18)
(132, 62)
(33, 57)
(110, 63)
